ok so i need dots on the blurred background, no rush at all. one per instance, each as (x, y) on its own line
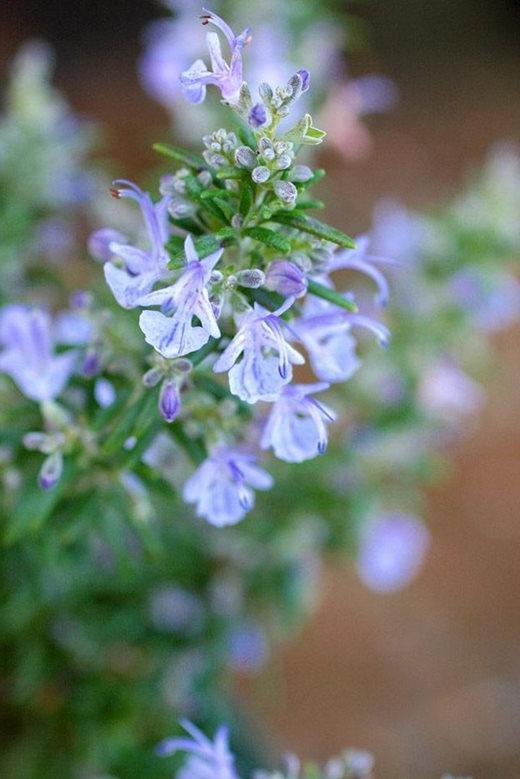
(428, 678)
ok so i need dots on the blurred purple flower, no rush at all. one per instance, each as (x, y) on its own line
(99, 243)
(395, 233)
(248, 647)
(104, 393)
(176, 610)
(207, 759)
(142, 269)
(221, 486)
(228, 77)
(331, 346)
(493, 302)
(54, 239)
(296, 428)
(28, 356)
(287, 278)
(446, 391)
(170, 46)
(360, 259)
(175, 336)
(267, 358)
(391, 551)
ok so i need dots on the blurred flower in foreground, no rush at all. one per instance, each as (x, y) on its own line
(207, 759)
(391, 551)
(213, 760)
(28, 355)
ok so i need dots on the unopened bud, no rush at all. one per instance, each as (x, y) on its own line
(260, 174)
(284, 162)
(286, 191)
(104, 393)
(35, 441)
(258, 116)
(152, 377)
(169, 401)
(182, 365)
(51, 471)
(301, 173)
(91, 364)
(245, 156)
(251, 278)
(306, 79)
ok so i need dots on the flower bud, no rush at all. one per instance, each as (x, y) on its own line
(258, 116)
(99, 243)
(306, 79)
(251, 278)
(245, 157)
(169, 401)
(286, 278)
(205, 178)
(80, 299)
(51, 471)
(183, 365)
(301, 173)
(152, 377)
(35, 441)
(91, 364)
(260, 174)
(286, 191)
(284, 162)
(265, 92)
(55, 416)
(104, 393)
(180, 208)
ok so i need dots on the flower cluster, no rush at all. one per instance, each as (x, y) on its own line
(44, 176)
(214, 760)
(241, 276)
(282, 42)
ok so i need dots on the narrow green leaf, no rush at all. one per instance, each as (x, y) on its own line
(220, 392)
(193, 187)
(194, 447)
(269, 238)
(315, 288)
(213, 192)
(228, 210)
(308, 204)
(185, 223)
(230, 173)
(307, 224)
(206, 244)
(188, 158)
(246, 199)
(247, 137)
(215, 210)
(266, 298)
(226, 234)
